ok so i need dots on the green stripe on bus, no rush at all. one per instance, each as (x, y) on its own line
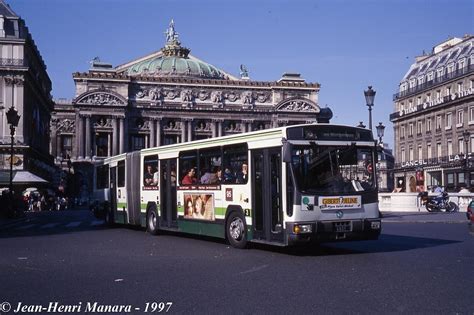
(202, 228)
(121, 205)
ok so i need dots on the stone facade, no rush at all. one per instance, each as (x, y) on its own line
(169, 97)
(24, 85)
(434, 119)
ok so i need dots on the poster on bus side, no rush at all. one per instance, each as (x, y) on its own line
(199, 206)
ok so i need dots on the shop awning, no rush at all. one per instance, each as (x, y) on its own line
(21, 177)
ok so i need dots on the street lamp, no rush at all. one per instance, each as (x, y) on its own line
(380, 130)
(466, 136)
(12, 118)
(369, 100)
(361, 124)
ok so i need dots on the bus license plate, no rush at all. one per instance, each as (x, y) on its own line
(342, 227)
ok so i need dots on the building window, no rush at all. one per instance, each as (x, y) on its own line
(460, 118)
(438, 94)
(410, 104)
(438, 122)
(428, 124)
(137, 142)
(66, 147)
(471, 114)
(410, 130)
(102, 141)
(429, 151)
(428, 97)
(450, 147)
(461, 178)
(402, 132)
(461, 145)
(450, 178)
(420, 152)
(403, 157)
(411, 153)
(438, 150)
(419, 127)
(430, 76)
(448, 90)
(449, 121)
(471, 144)
(460, 87)
(418, 100)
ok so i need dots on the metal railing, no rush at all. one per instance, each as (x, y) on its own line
(436, 81)
(13, 62)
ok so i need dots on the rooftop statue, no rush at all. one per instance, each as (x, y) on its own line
(244, 73)
(171, 34)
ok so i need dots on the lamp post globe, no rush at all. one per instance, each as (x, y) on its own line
(369, 100)
(380, 131)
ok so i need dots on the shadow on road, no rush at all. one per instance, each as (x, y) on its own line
(386, 243)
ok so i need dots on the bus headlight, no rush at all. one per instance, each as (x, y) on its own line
(302, 228)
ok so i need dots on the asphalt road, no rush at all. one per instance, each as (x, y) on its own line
(70, 258)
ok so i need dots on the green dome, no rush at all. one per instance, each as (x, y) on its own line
(176, 66)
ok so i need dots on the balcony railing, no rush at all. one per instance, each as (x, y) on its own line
(436, 81)
(13, 62)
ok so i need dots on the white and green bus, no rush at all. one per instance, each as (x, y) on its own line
(302, 183)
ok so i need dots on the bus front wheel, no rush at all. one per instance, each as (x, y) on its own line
(152, 221)
(236, 230)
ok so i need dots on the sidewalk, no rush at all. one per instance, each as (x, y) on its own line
(424, 217)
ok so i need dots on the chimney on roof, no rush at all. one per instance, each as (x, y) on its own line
(291, 77)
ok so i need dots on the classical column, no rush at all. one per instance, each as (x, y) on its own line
(158, 132)
(81, 137)
(122, 135)
(219, 128)
(109, 144)
(214, 128)
(249, 126)
(88, 137)
(152, 133)
(190, 130)
(114, 136)
(183, 130)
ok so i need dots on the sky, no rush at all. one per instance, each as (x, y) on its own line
(343, 45)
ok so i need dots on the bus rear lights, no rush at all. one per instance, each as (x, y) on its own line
(375, 225)
(302, 228)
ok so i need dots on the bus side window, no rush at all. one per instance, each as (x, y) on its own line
(209, 165)
(187, 162)
(235, 164)
(150, 170)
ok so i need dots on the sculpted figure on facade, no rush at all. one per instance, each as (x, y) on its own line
(187, 95)
(155, 94)
(262, 97)
(216, 96)
(203, 95)
(101, 99)
(171, 94)
(232, 96)
(298, 106)
(248, 97)
(66, 125)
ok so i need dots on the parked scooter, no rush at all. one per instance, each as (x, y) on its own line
(438, 203)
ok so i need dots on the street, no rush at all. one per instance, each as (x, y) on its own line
(72, 258)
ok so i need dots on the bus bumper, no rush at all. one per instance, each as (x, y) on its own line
(330, 231)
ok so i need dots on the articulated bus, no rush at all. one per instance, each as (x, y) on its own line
(303, 183)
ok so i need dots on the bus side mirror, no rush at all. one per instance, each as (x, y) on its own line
(287, 148)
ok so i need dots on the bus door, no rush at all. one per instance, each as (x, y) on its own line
(266, 194)
(113, 193)
(168, 207)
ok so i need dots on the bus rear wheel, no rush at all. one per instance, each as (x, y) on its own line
(236, 230)
(152, 221)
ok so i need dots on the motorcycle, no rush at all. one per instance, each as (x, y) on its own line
(438, 203)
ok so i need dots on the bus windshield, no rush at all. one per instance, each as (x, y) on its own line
(333, 169)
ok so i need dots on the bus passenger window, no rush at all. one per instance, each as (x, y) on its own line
(235, 164)
(121, 174)
(187, 167)
(150, 176)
